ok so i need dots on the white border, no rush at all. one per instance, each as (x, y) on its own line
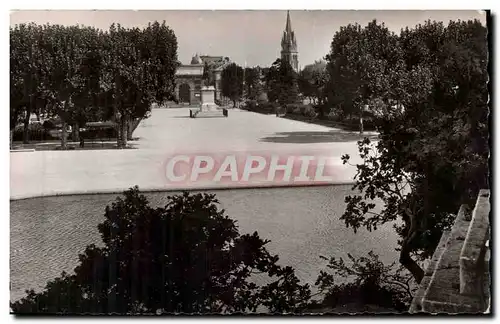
(185, 4)
(256, 4)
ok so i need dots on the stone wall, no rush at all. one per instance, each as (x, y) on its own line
(457, 279)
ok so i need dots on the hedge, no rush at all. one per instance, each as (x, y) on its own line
(43, 134)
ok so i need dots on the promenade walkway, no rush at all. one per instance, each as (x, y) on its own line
(165, 133)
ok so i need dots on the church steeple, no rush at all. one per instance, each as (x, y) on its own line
(289, 50)
(288, 27)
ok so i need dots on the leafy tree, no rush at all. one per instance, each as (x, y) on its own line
(123, 73)
(281, 83)
(432, 154)
(343, 80)
(312, 81)
(25, 74)
(361, 65)
(367, 281)
(138, 70)
(62, 53)
(288, 88)
(252, 83)
(86, 106)
(126, 75)
(159, 49)
(17, 98)
(271, 80)
(185, 257)
(232, 82)
(189, 257)
(305, 83)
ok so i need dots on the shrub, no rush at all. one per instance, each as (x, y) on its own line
(49, 124)
(262, 99)
(107, 132)
(186, 257)
(251, 105)
(309, 111)
(323, 110)
(300, 109)
(293, 108)
(36, 126)
(37, 133)
(332, 115)
(266, 107)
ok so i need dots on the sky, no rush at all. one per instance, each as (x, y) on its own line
(251, 37)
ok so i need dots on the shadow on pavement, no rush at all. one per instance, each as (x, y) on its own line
(317, 137)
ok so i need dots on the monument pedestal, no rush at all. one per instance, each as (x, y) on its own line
(208, 107)
(208, 99)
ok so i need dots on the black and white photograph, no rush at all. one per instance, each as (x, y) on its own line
(250, 162)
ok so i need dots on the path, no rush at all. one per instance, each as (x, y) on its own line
(167, 132)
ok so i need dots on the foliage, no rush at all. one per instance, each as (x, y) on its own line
(312, 81)
(187, 256)
(281, 83)
(79, 73)
(253, 87)
(140, 71)
(232, 82)
(271, 77)
(308, 111)
(251, 105)
(26, 74)
(49, 124)
(369, 282)
(363, 64)
(432, 154)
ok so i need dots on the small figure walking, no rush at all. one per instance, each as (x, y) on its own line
(82, 142)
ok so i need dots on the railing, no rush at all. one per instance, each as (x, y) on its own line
(458, 278)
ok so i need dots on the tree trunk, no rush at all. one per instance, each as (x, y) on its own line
(361, 121)
(76, 133)
(124, 132)
(26, 125)
(119, 133)
(63, 136)
(234, 103)
(118, 126)
(129, 130)
(117, 114)
(11, 138)
(132, 126)
(410, 264)
(410, 219)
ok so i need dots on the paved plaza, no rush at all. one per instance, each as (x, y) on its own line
(165, 133)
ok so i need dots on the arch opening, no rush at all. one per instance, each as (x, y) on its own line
(184, 93)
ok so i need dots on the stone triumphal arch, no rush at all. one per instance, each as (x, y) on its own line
(189, 78)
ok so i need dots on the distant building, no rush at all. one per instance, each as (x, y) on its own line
(289, 51)
(189, 78)
(217, 60)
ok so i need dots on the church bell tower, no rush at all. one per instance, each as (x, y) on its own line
(289, 50)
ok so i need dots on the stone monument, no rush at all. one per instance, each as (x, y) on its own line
(208, 107)
(208, 99)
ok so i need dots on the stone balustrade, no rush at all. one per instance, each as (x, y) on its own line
(457, 279)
